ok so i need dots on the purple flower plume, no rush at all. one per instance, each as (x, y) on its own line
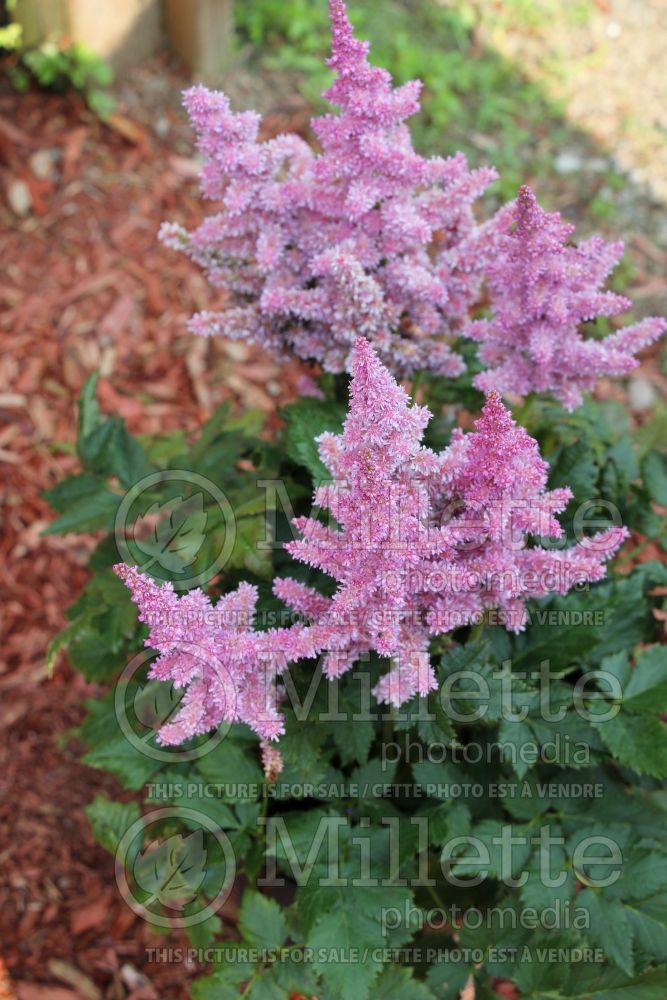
(363, 237)
(542, 288)
(423, 542)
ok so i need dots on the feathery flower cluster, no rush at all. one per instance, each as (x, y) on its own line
(422, 544)
(365, 237)
(227, 669)
(425, 542)
(542, 288)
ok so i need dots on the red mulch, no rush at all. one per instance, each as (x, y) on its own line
(85, 287)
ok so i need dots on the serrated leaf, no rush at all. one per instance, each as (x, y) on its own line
(62, 640)
(92, 655)
(609, 928)
(89, 410)
(109, 820)
(232, 764)
(654, 473)
(493, 862)
(261, 920)
(91, 512)
(397, 983)
(575, 468)
(646, 688)
(117, 755)
(223, 984)
(265, 987)
(306, 419)
(72, 489)
(177, 790)
(637, 741)
(548, 863)
(347, 929)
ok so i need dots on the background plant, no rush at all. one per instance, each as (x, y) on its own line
(56, 65)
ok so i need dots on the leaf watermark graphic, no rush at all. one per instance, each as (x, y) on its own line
(173, 871)
(171, 534)
(159, 876)
(177, 525)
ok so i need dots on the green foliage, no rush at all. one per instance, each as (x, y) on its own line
(384, 820)
(58, 67)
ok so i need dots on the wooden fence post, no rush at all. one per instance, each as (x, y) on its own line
(201, 32)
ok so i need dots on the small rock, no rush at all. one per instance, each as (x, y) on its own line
(598, 164)
(641, 394)
(43, 162)
(133, 979)
(19, 197)
(162, 127)
(568, 162)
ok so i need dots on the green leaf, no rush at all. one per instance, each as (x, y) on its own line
(397, 983)
(654, 473)
(548, 862)
(62, 641)
(646, 689)
(193, 795)
(306, 419)
(224, 984)
(577, 469)
(72, 489)
(639, 742)
(203, 934)
(110, 450)
(110, 820)
(588, 982)
(91, 512)
(261, 921)
(117, 755)
(494, 859)
(265, 987)
(92, 656)
(89, 410)
(615, 614)
(609, 928)
(448, 978)
(233, 764)
(349, 926)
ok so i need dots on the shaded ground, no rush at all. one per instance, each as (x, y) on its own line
(86, 286)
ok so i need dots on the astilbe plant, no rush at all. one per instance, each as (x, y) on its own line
(363, 237)
(422, 543)
(366, 257)
(542, 288)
